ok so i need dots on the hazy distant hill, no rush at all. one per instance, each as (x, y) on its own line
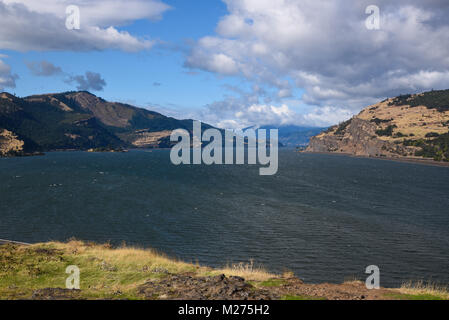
(79, 120)
(406, 126)
(295, 136)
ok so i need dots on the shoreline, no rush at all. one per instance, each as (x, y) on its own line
(43, 153)
(4, 241)
(422, 161)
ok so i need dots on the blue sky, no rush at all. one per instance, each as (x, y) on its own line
(231, 63)
(132, 77)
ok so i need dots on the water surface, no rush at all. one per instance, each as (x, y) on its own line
(324, 217)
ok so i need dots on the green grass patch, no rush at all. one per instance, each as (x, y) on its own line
(105, 272)
(272, 283)
(403, 296)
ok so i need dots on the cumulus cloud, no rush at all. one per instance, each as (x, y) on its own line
(325, 48)
(215, 62)
(231, 113)
(256, 108)
(43, 68)
(324, 116)
(7, 79)
(40, 25)
(89, 81)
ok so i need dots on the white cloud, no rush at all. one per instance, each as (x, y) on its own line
(246, 110)
(40, 25)
(325, 116)
(256, 114)
(324, 47)
(222, 63)
(225, 114)
(284, 93)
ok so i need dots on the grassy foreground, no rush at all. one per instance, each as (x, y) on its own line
(39, 272)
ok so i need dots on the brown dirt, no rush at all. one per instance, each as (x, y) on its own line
(180, 287)
(346, 291)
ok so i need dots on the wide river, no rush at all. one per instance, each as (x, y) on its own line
(324, 217)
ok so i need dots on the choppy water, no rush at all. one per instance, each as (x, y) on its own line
(324, 217)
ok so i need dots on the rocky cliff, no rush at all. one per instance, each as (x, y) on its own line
(413, 126)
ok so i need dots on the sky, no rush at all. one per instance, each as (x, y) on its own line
(230, 63)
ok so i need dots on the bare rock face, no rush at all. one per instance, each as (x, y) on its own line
(398, 127)
(357, 138)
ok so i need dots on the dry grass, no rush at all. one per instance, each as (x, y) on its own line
(105, 272)
(354, 282)
(132, 258)
(353, 279)
(124, 257)
(248, 271)
(417, 120)
(425, 288)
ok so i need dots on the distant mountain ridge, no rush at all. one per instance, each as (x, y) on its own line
(295, 136)
(81, 121)
(408, 126)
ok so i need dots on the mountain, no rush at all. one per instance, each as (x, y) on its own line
(295, 136)
(412, 126)
(80, 121)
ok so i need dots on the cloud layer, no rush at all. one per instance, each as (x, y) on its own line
(325, 48)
